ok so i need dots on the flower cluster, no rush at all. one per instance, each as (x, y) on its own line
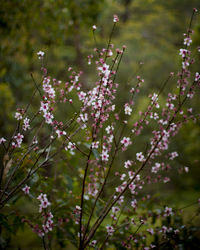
(44, 203)
(18, 141)
(26, 124)
(18, 116)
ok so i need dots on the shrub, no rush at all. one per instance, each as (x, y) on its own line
(88, 177)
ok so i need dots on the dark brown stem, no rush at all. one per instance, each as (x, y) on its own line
(82, 197)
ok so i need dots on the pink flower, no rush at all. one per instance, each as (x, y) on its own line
(26, 189)
(126, 141)
(134, 203)
(44, 106)
(19, 138)
(71, 146)
(93, 243)
(132, 188)
(110, 230)
(2, 140)
(44, 203)
(26, 124)
(184, 52)
(115, 19)
(150, 230)
(18, 116)
(140, 157)
(109, 129)
(155, 168)
(60, 133)
(48, 117)
(95, 144)
(127, 109)
(104, 155)
(168, 211)
(127, 164)
(187, 41)
(173, 155)
(197, 77)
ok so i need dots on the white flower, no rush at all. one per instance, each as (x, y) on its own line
(185, 64)
(81, 96)
(115, 19)
(140, 157)
(26, 189)
(134, 203)
(71, 146)
(26, 124)
(19, 138)
(44, 203)
(126, 141)
(168, 211)
(186, 169)
(60, 133)
(48, 117)
(183, 52)
(127, 109)
(173, 155)
(109, 129)
(197, 77)
(150, 230)
(187, 41)
(105, 70)
(95, 144)
(2, 140)
(40, 54)
(127, 164)
(18, 116)
(122, 177)
(44, 107)
(104, 155)
(110, 230)
(155, 168)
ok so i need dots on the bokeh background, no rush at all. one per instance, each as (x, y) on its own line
(152, 30)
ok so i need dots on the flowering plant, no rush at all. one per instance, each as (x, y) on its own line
(69, 166)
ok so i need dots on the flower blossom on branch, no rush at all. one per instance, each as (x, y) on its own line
(18, 140)
(18, 116)
(2, 140)
(140, 157)
(26, 124)
(26, 189)
(40, 55)
(115, 19)
(126, 141)
(127, 109)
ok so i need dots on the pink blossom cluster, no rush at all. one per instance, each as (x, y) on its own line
(18, 141)
(48, 222)
(26, 125)
(44, 203)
